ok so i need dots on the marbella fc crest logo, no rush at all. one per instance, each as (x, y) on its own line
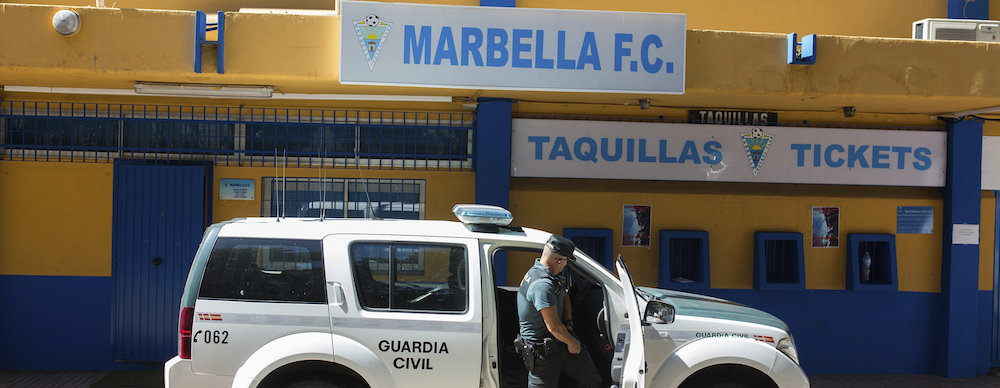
(372, 32)
(756, 143)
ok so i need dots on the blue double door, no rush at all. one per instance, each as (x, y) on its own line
(159, 214)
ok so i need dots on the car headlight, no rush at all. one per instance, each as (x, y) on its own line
(787, 346)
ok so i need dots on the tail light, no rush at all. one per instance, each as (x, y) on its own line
(184, 331)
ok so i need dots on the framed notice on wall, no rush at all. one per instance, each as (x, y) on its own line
(915, 219)
(825, 227)
(236, 189)
(636, 221)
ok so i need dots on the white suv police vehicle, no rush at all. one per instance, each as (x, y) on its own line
(394, 303)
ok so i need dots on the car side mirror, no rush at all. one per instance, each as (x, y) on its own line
(658, 312)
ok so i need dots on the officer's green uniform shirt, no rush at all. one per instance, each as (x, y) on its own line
(539, 289)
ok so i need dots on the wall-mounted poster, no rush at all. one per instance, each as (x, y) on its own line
(826, 227)
(636, 225)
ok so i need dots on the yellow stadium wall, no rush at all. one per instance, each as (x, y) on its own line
(894, 82)
(731, 213)
(891, 18)
(987, 235)
(73, 202)
(887, 80)
(885, 18)
(55, 218)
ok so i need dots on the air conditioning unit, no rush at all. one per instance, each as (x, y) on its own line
(957, 29)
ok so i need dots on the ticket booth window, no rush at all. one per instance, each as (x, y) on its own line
(778, 261)
(871, 262)
(684, 260)
(595, 242)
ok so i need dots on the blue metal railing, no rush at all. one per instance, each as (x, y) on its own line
(684, 120)
(46, 131)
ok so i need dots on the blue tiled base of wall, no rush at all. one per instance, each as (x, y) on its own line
(58, 322)
(985, 334)
(842, 332)
(64, 322)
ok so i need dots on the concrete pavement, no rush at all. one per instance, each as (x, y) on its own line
(84, 379)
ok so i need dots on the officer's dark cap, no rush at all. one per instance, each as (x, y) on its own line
(562, 246)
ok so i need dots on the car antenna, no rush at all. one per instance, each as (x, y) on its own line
(368, 198)
(277, 210)
(284, 194)
(322, 192)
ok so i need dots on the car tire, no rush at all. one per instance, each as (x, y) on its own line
(728, 377)
(727, 384)
(315, 383)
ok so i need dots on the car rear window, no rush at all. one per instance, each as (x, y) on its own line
(265, 269)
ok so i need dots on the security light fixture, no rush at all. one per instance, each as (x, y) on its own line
(66, 22)
(200, 90)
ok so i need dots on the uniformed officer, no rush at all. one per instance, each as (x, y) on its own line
(545, 311)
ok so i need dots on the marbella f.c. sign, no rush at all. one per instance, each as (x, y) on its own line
(372, 34)
(756, 143)
(511, 48)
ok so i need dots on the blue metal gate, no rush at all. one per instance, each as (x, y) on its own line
(158, 219)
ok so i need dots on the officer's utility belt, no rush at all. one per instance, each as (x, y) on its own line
(532, 350)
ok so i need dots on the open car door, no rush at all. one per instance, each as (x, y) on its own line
(629, 349)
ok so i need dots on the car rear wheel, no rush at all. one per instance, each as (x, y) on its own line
(727, 384)
(315, 383)
(728, 376)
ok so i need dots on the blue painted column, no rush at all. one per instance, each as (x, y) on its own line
(492, 162)
(969, 9)
(960, 262)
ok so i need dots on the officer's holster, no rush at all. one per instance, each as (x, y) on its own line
(526, 350)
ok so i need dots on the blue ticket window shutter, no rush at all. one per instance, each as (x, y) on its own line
(881, 274)
(778, 261)
(684, 260)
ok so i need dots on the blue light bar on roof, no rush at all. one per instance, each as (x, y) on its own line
(482, 214)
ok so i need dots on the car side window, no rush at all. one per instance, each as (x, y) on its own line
(265, 269)
(410, 276)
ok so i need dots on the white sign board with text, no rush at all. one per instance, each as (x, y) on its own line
(511, 48)
(237, 189)
(965, 234)
(693, 152)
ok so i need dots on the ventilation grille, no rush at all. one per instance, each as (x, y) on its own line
(955, 34)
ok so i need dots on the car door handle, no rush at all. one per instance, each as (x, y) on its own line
(336, 293)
